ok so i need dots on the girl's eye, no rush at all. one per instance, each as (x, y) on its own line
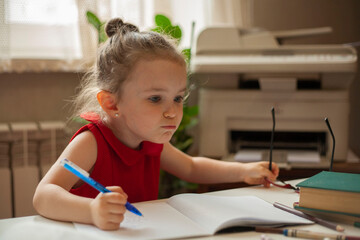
(179, 99)
(155, 99)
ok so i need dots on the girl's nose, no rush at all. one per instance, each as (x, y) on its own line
(170, 112)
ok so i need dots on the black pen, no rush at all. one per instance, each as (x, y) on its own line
(272, 137)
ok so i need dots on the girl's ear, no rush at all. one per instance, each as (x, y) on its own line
(107, 102)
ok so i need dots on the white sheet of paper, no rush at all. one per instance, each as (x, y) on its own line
(248, 156)
(303, 156)
(230, 211)
(159, 221)
(191, 215)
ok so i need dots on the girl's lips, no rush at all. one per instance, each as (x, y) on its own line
(169, 127)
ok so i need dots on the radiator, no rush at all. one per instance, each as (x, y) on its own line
(27, 150)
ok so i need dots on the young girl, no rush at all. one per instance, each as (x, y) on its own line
(134, 99)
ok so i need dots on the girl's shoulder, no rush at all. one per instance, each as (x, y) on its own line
(82, 149)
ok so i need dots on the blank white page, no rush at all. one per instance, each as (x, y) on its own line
(160, 221)
(217, 212)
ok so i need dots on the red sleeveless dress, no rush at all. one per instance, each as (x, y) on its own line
(137, 172)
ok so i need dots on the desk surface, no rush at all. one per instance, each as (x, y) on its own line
(286, 175)
(37, 227)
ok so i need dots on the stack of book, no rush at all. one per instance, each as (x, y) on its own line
(332, 196)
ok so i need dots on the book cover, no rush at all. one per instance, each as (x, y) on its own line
(346, 182)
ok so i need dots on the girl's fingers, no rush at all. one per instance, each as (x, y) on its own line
(266, 183)
(117, 189)
(110, 226)
(115, 218)
(117, 208)
(115, 198)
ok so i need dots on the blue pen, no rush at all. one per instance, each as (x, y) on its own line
(83, 175)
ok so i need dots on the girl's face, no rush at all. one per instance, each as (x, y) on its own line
(151, 104)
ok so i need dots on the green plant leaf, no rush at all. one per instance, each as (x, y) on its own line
(192, 123)
(191, 110)
(187, 54)
(175, 32)
(93, 20)
(99, 26)
(157, 29)
(102, 34)
(180, 128)
(162, 21)
(164, 26)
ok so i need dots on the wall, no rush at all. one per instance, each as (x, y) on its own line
(36, 96)
(342, 15)
(31, 97)
(42, 96)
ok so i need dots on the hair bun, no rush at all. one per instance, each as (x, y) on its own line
(116, 25)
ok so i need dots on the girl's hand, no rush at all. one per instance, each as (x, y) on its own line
(258, 172)
(107, 209)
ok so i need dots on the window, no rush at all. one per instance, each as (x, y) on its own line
(43, 29)
(35, 31)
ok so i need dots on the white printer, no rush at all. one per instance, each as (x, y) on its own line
(244, 73)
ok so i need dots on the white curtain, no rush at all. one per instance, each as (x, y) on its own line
(39, 35)
(52, 35)
(88, 35)
(231, 12)
(205, 13)
(4, 38)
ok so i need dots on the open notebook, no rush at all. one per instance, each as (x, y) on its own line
(190, 215)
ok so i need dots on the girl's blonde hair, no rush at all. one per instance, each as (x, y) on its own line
(116, 58)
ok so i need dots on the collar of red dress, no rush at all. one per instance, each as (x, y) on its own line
(128, 155)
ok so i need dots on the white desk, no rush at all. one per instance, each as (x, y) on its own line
(37, 227)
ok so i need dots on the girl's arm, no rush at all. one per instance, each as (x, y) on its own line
(52, 198)
(206, 170)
